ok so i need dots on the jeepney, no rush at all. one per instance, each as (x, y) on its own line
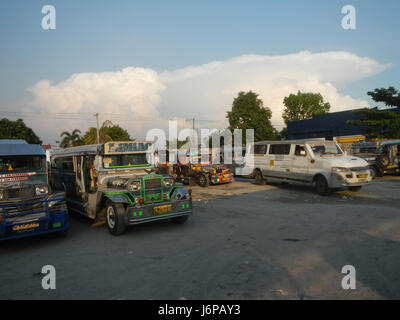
(382, 156)
(27, 204)
(198, 167)
(116, 181)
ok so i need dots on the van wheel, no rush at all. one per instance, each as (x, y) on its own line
(355, 189)
(203, 180)
(373, 172)
(115, 218)
(322, 186)
(259, 178)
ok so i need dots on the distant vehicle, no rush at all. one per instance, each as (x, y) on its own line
(28, 206)
(382, 156)
(198, 167)
(318, 162)
(117, 179)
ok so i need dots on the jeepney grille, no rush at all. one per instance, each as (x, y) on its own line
(152, 190)
(20, 193)
(23, 209)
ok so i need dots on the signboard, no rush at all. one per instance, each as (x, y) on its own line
(126, 147)
(11, 177)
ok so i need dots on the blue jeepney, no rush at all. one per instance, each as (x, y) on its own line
(27, 205)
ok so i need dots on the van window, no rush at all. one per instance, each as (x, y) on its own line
(260, 149)
(279, 149)
(300, 151)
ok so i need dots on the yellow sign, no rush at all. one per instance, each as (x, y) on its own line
(271, 163)
(162, 209)
(27, 226)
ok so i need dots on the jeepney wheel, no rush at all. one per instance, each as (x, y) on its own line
(321, 185)
(383, 160)
(355, 189)
(259, 178)
(115, 218)
(203, 180)
(180, 220)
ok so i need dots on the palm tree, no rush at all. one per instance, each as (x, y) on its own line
(91, 136)
(71, 139)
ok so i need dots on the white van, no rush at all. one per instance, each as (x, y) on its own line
(318, 161)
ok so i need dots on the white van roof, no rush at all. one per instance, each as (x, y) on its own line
(290, 141)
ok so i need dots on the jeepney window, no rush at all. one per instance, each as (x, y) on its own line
(300, 151)
(279, 149)
(21, 163)
(125, 160)
(260, 149)
(65, 164)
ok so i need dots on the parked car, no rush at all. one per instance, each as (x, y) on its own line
(382, 156)
(318, 162)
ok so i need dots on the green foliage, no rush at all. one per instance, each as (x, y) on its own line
(389, 96)
(381, 124)
(17, 130)
(248, 112)
(106, 134)
(302, 106)
(72, 139)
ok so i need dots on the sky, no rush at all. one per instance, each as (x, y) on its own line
(140, 63)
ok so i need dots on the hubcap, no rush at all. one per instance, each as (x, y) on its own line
(111, 217)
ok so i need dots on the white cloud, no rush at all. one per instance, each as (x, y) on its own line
(204, 91)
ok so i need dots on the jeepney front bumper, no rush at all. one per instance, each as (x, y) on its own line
(221, 178)
(158, 211)
(350, 178)
(27, 218)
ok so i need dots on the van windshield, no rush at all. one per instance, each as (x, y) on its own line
(125, 160)
(325, 148)
(21, 163)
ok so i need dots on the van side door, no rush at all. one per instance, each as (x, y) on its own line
(300, 163)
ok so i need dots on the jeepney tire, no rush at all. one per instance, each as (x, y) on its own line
(259, 178)
(180, 220)
(116, 226)
(355, 189)
(383, 160)
(379, 172)
(321, 185)
(204, 181)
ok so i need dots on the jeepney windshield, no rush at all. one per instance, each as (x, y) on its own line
(326, 148)
(125, 161)
(22, 163)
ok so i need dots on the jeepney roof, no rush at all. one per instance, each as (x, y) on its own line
(291, 141)
(90, 149)
(20, 149)
(390, 142)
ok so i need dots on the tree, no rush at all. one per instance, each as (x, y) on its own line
(17, 130)
(381, 124)
(390, 96)
(248, 112)
(107, 132)
(304, 105)
(72, 139)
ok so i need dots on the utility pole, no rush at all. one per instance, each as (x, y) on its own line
(97, 127)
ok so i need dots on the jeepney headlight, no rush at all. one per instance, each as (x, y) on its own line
(40, 190)
(1, 194)
(169, 182)
(134, 186)
(340, 169)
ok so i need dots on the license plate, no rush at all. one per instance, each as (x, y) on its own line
(362, 176)
(25, 227)
(162, 209)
